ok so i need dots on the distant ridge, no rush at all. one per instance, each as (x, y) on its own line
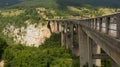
(59, 3)
(6, 3)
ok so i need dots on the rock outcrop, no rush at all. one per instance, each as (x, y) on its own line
(32, 35)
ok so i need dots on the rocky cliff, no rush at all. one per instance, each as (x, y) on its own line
(31, 35)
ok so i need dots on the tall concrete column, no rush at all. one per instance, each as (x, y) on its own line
(69, 38)
(90, 59)
(62, 34)
(75, 49)
(83, 47)
(93, 49)
(65, 31)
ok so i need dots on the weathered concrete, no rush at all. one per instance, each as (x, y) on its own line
(83, 47)
(90, 59)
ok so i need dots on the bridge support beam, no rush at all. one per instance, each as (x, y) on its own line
(83, 47)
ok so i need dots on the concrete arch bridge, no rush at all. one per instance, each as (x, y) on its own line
(87, 37)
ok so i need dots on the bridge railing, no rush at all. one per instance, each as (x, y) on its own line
(109, 24)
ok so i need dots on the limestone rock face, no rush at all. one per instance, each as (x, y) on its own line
(36, 36)
(32, 35)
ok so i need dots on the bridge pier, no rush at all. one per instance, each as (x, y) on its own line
(75, 49)
(90, 59)
(62, 35)
(69, 36)
(87, 48)
(83, 47)
(93, 49)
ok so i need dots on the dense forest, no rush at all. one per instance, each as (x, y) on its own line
(50, 54)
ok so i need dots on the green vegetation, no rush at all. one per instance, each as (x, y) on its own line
(3, 45)
(50, 54)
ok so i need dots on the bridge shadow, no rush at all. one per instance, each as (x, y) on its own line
(90, 3)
